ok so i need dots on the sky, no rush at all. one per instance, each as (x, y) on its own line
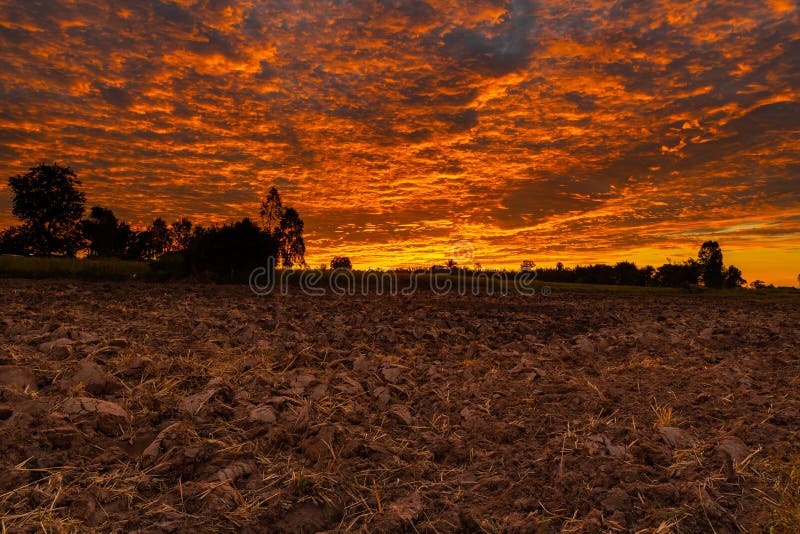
(409, 131)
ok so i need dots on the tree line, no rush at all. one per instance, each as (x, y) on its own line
(706, 269)
(48, 202)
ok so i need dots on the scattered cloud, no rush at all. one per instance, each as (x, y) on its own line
(580, 132)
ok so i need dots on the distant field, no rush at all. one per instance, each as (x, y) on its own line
(97, 269)
(128, 406)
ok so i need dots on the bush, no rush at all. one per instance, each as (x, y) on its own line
(231, 252)
(170, 266)
(341, 262)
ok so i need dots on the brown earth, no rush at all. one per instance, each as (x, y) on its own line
(169, 407)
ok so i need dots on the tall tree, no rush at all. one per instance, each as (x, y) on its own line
(710, 260)
(48, 202)
(105, 235)
(272, 210)
(290, 238)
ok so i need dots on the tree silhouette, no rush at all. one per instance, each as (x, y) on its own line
(230, 253)
(677, 274)
(181, 234)
(140, 246)
(290, 238)
(733, 277)
(710, 260)
(50, 206)
(271, 210)
(160, 237)
(105, 235)
(14, 240)
(151, 243)
(341, 262)
(627, 273)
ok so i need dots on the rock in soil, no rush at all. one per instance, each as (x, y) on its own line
(16, 375)
(93, 379)
(677, 438)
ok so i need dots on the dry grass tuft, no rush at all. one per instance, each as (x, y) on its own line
(664, 415)
(781, 475)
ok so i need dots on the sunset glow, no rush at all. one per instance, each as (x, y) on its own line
(553, 131)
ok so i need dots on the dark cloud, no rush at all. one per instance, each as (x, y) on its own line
(417, 11)
(267, 71)
(174, 13)
(441, 90)
(498, 49)
(116, 96)
(545, 195)
(461, 121)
